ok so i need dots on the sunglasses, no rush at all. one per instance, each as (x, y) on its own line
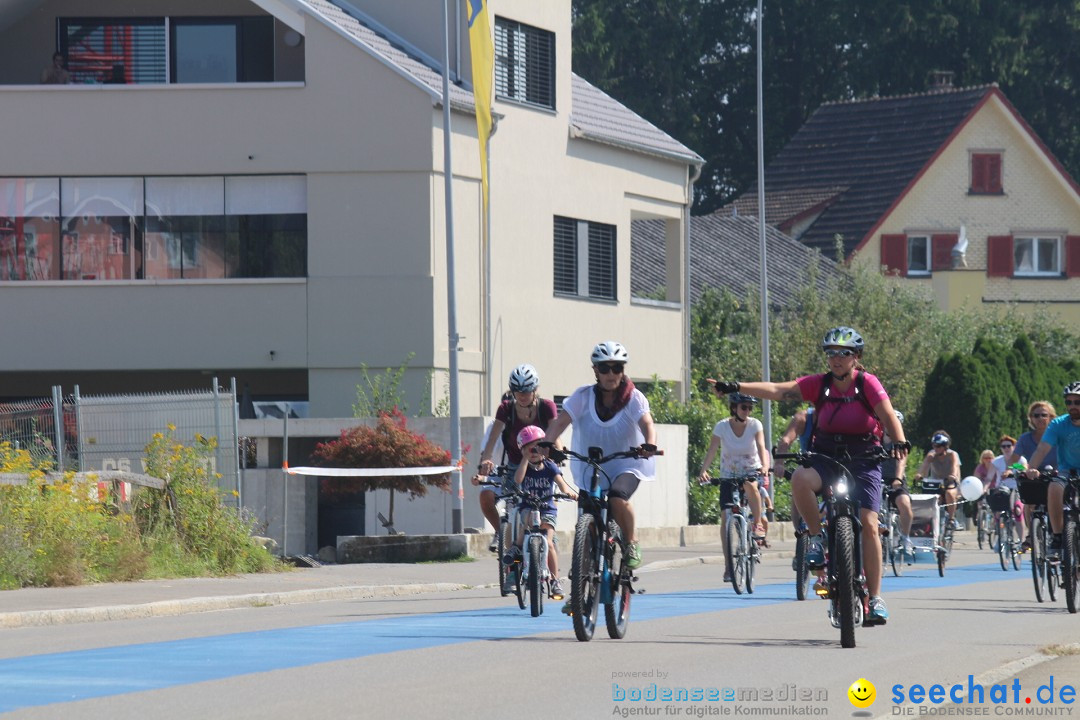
(1006, 445)
(536, 449)
(941, 445)
(1040, 414)
(747, 408)
(839, 353)
(1072, 402)
(605, 368)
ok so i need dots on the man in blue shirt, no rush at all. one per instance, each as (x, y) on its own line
(1063, 435)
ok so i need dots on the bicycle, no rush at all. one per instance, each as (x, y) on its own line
(943, 541)
(598, 573)
(984, 524)
(1044, 574)
(892, 546)
(798, 563)
(741, 551)
(846, 583)
(508, 527)
(1070, 535)
(534, 577)
(1008, 540)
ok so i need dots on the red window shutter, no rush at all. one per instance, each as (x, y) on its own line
(993, 173)
(894, 254)
(999, 256)
(978, 173)
(1072, 256)
(941, 251)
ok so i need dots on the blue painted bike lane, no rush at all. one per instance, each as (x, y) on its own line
(72, 676)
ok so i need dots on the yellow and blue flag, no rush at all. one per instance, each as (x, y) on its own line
(482, 51)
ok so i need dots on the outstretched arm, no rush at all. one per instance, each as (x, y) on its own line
(786, 391)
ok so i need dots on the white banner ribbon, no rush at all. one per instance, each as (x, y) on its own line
(369, 472)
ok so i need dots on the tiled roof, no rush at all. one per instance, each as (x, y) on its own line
(783, 205)
(598, 116)
(595, 115)
(874, 148)
(724, 252)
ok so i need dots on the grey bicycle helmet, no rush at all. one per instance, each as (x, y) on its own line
(609, 351)
(844, 337)
(1072, 388)
(524, 378)
(899, 416)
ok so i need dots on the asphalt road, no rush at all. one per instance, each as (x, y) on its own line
(471, 654)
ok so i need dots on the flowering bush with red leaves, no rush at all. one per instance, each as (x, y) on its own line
(390, 444)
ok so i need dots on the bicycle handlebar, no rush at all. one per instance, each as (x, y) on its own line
(561, 455)
(737, 480)
(804, 458)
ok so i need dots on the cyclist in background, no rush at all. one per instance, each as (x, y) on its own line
(1040, 414)
(941, 470)
(1061, 434)
(1007, 464)
(613, 415)
(741, 440)
(539, 476)
(524, 407)
(800, 427)
(851, 410)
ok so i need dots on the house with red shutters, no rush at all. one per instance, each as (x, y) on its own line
(950, 188)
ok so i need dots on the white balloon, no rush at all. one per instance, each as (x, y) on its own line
(971, 488)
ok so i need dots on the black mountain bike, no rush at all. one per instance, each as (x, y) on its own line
(598, 574)
(1070, 536)
(846, 582)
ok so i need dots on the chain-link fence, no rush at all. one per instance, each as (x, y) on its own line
(111, 432)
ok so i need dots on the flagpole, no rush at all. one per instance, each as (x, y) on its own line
(457, 512)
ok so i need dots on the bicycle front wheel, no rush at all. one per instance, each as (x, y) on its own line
(844, 538)
(584, 581)
(736, 551)
(536, 576)
(1069, 561)
(501, 533)
(1004, 543)
(617, 612)
(1014, 549)
(1038, 559)
(980, 526)
(802, 572)
(896, 547)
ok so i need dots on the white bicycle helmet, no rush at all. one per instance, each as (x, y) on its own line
(524, 378)
(844, 337)
(1072, 388)
(609, 351)
(899, 416)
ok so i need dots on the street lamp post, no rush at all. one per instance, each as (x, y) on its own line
(765, 372)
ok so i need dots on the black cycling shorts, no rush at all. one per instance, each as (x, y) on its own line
(624, 486)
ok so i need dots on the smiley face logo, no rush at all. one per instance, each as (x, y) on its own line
(862, 693)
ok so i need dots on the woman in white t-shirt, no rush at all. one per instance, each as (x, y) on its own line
(741, 440)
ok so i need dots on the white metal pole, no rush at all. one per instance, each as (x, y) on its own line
(285, 484)
(765, 372)
(451, 303)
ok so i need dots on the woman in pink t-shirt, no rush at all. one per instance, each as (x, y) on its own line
(851, 411)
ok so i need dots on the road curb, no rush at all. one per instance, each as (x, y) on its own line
(168, 608)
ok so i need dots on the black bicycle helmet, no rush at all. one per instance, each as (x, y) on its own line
(736, 398)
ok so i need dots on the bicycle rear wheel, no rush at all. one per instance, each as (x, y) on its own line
(1069, 560)
(736, 551)
(844, 534)
(896, 547)
(1004, 542)
(584, 581)
(1014, 549)
(617, 612)
(752, 556)
(1038, 559)
(501, 533)
(536, 576)
(802, 572)
(980, 526)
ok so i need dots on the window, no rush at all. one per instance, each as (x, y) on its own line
(986, 174)
(584, 259)
(524, 63)
(1037, 256)
(199, 50)
(918, 254)
(153, 228)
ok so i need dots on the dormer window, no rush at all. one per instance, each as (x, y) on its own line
(986, 173)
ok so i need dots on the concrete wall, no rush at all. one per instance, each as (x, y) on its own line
(1037, 198)
(659, 504)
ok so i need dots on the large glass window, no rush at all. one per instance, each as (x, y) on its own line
(29, 229)
(205, 53)
(524, 63)
(266, 229)
(190, 228)
(100, 221)
(584, 259)
(114, 50)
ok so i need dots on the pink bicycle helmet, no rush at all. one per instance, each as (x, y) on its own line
(528, 434)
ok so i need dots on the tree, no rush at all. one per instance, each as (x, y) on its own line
(390, 444)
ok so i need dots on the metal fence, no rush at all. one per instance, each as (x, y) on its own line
(111, 432)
